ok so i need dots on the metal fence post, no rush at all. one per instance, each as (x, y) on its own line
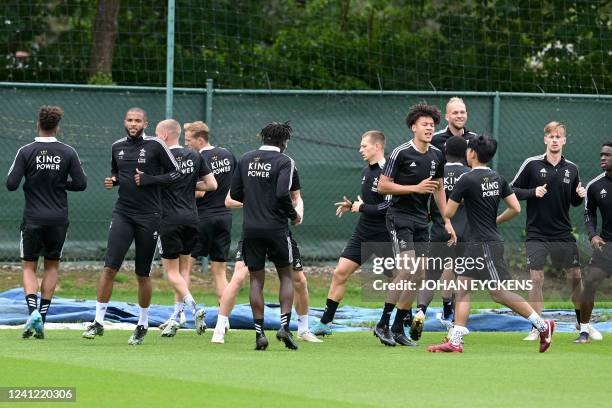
(495, 127)
(209, 102)
(170, 60)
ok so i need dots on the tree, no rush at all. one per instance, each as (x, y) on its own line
(105, 30)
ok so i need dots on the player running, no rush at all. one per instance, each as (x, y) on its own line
(370, 228)
(439, 252)
(413, 172)
(179, 226)
(262, 182)
(50, 168)
(600, 265)
(241, 272)
(481, 190)
(139, 166)
(551, 184)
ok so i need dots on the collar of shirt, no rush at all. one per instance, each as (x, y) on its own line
(481, 168)
(45, 139)
(456, 164)
(136, 139)
(209, 147)
(450, 134)
(561, 162)
(270, 148)
(176, 146)
(380, 163)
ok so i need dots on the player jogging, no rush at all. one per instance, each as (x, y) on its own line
(481, 190)
(139, 165)
(599, 197)
(50, 168)
(262, 182)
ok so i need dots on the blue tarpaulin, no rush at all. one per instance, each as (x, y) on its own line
(13, 311)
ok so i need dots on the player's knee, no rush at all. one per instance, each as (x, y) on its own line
(299, 281)
(110, 272)
(537, 277)
(574, 275)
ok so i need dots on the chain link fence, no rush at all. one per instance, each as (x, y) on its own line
(327, 125)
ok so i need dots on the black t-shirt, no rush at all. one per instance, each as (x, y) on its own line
(262, 182)
(151, 156)
(408, 166)
(548, 216)
(178, 198)
(440, 137)
(481, 189)
(50, 169)
(452, 172)
(374, 207)
(599, 195)
(222, 163)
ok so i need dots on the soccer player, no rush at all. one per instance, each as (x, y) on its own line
(262, 182)
(413, 172)
(50, 168)
(370, 228)
(481, 190)
(456, 117)
(550, 183)
(456, 165)
(139, 166)
(179, 226)
(300, 285)
(215, 223)
(600, 265)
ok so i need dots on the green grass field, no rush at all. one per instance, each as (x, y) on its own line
(349, 369)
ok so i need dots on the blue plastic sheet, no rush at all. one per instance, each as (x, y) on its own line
(13, 311)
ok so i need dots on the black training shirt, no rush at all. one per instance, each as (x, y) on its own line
(50, 169)
(151, 156)
(548, 216)
(599, 195)
(178, 198)
(222, 163)
(408, 166)
(262, 182)
(482, 189)
(440, 137)
(452, 172)
(374, 207)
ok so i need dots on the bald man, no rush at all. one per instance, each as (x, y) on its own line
(179, 225)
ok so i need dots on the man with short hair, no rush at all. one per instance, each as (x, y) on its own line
(439, 252)
(481, 191)
(140, 165)
(215, 220)
(179, 226)
(262, 182)
(370, 228)
(599, 197)
(551, 184)
(413, 172)
(50, 168)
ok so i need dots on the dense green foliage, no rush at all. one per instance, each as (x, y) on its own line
(532, 46)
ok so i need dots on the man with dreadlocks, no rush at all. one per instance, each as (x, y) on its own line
(262, 182)
(50, 168)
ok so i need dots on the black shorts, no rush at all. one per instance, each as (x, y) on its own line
(487, 262)
(297, 257)
(177, 240)
(439, 255)
(45, 240)
(361, 247)
(563, 253)
(214, 238)
(275, 247)
(603, 259)
(407, 235)
(124, 229)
